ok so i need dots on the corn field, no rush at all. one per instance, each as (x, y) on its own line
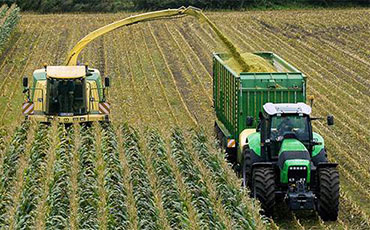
(157, 164)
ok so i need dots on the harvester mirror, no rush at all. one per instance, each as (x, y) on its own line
(330, 120)
(106, 82)
(250, 121)
(25, 82)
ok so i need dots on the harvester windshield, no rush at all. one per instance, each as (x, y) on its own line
(290, 124)
(66, 97)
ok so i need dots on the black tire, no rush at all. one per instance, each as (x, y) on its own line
(328, 196)
(247, 167)
(263, 188)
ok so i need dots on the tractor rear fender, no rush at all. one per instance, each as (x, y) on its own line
(263, 165)
(326, 165)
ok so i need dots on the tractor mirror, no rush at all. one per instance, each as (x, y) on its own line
(250, 121)
(330, 120)
(106, 82)
(25, 82)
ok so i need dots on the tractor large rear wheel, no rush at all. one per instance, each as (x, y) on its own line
(328, 197)
(263, 188)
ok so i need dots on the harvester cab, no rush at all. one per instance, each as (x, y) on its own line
(285, 159)
(66, 94)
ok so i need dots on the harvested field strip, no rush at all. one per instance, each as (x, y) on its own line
(58, 200)
(333, 86)
(139, 77)
(190, 49)
(136, 97)
(155, 80)
(9, 169)
(33, 179)
(147, 89)
(347, 83)
(192, 70)
(87, 181)
(194, 121)
(180, 74)
(147, 212)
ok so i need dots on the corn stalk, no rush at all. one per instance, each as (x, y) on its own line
(209, 219)
(58, 200)
(8, 21)
(173, 203)
(113, 181)
(34, 176)
(9, 168)
(148, 214)
(88, 199)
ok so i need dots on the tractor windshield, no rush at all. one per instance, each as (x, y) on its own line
(291, 124)
(66, 97)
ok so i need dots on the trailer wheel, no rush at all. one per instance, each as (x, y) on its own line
(263, 188)
(247, 167)
(328, 197)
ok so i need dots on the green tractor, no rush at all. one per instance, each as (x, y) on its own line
(265, 127)
(285, 159)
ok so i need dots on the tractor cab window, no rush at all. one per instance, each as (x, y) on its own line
(291, 124)
(66, 97)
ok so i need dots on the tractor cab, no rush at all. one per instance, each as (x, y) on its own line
(280, 122)
(66, 91)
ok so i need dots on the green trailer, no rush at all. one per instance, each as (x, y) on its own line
(265, 127)
(239, 97)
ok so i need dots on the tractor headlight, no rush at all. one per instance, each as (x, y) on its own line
(297, 173)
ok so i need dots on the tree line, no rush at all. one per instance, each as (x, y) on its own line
(46, 6)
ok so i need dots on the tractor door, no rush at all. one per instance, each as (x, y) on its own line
(92, 94)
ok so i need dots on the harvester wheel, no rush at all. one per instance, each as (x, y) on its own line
(247, 167)
(263, 188)
(328, 197)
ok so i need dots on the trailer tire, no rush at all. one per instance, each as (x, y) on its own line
(328, 197)
(247, 167)
(263, 188)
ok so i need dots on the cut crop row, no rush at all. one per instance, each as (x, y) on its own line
(58, 200)
(208, 217)
(113, 181)
(33, 179)
(87, 181)
(9, 168)
(148, 216)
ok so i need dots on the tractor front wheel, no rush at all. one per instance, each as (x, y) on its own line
(263, 188)
(247, 166)
(328, 197)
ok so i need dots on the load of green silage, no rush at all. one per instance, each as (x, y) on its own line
(255, 63)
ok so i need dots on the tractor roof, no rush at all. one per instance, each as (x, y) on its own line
(288, 108)
(66, 72)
